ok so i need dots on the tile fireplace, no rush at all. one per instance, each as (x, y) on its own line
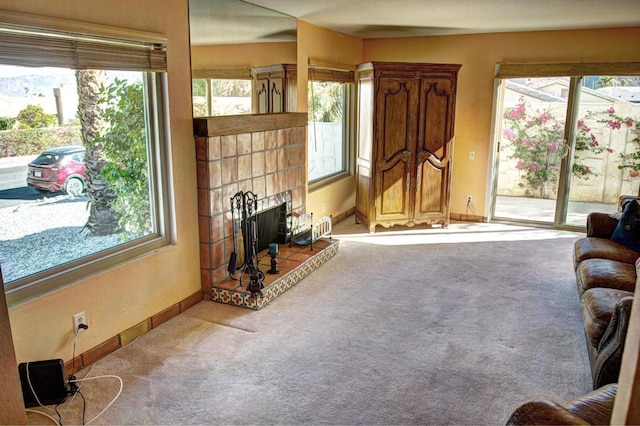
(263, 154)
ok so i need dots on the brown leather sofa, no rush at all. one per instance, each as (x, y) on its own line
(606, 275)
(594, 408)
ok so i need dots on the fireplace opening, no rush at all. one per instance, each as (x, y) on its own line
(261, 221)
(272, 226)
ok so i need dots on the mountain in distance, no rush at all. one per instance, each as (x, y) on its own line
(35, 85)
(43, 85)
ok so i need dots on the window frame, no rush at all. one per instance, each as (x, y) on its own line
(208, 84)
(346, 78)
(209, 74)
(162, 200)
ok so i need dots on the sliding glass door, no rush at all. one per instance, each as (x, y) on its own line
(565, 146)
(607, 149)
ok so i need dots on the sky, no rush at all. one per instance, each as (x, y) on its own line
(15, 71)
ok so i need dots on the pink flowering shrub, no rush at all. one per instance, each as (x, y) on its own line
(537, 141)
(629, 161)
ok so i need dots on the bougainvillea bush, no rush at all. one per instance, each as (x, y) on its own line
(628, 160)
(537, 143)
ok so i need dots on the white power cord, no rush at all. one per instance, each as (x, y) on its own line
(29, 410)
(114, 398)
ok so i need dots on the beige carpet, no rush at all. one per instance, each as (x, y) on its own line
(455, 326)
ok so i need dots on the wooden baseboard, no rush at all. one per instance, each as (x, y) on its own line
(127, 336)
(467, 218)
(342, 216)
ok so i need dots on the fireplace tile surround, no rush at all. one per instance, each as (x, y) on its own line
(262, 153)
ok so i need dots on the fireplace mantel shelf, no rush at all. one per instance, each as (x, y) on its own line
(235, 124)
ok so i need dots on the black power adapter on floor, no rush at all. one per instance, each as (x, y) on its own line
(46, 379)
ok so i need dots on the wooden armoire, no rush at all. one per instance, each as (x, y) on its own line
(405, 143)
(275, 88)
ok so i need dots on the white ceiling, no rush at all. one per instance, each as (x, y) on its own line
(409, 18)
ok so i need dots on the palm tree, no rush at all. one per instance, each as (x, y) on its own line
(102, 219)
(606, 81)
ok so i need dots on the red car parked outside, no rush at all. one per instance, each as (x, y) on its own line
(58, 169)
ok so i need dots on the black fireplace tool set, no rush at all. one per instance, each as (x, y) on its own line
(244, 209)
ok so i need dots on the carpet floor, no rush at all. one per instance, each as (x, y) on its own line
(435, 326)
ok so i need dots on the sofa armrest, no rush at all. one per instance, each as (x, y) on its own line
(609, 358)
(543, 413)
(601, 225)
(594, 408)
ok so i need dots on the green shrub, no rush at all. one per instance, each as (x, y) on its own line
(34, 117)
(19, 142)
(7, 123)
(125, 147)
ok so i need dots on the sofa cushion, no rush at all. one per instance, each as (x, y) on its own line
(591, 247)
(605, 273)
(627, 231)
(598, 305)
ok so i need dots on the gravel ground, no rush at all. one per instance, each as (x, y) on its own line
(37, 236)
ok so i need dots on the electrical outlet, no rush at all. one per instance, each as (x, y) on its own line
(468, 199)
(79, 318)
(324, 207)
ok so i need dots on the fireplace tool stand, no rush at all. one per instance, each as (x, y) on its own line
(245, 205)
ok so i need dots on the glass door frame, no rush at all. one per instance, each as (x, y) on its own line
(576, 72)
(564, 179)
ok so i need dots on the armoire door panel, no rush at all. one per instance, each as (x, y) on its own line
(262, 93)
(430, 194)
(393, 197)
(436, 128)
(276, 95)
(395, 111)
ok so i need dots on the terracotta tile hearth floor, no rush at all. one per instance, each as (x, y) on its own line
(294, 263)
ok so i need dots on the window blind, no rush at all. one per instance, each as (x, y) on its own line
(334, 75)
(38, 47)
(223, 73)
(570, 69)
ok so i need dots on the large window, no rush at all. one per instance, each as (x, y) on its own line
(330, 95)
(221, 92)
(217, 96)
(82, 152)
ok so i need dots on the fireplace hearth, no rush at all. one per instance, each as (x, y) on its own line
(294, 263)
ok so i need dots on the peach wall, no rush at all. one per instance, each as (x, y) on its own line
(119, 298)
(327, 46)
(478, 55)
(242, 55)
